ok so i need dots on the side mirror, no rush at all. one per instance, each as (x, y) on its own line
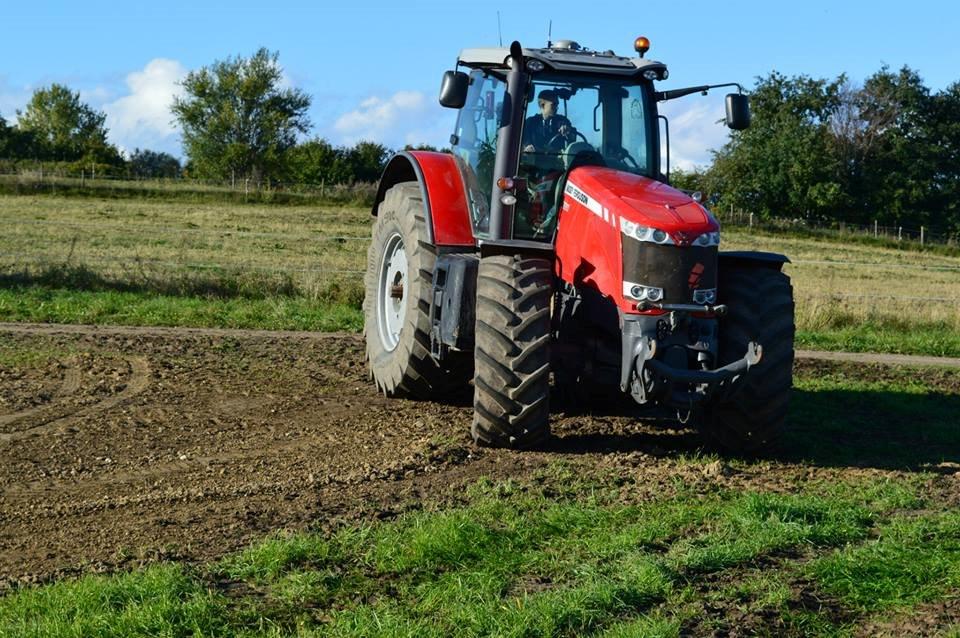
(453, 89)
(738, 111)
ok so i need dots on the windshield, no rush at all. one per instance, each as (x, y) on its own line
(571, 121)
(568, 115)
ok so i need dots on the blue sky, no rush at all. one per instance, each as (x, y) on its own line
(373, 68)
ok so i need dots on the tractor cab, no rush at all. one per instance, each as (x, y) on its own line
(576, 107)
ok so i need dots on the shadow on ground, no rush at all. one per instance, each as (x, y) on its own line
(883, 429)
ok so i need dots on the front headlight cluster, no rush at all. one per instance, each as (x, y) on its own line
(641, 292)
(708, 239)
(644, 233)
(705, 297)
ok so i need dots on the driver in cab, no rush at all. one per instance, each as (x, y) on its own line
(547, 130)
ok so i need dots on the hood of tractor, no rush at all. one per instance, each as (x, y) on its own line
(644, 201)
(636, 240)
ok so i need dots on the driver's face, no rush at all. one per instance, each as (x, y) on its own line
(548, 108)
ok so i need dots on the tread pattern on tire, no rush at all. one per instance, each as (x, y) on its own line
(409, 370)
(512, 362)
(761, 309)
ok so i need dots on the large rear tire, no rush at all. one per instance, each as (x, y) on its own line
(396, 305)
(760, 302)
(511, 356)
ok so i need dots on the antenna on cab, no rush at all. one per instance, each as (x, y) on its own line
(550, 33)
(499, 32)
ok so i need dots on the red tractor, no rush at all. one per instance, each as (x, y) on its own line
(549, 241)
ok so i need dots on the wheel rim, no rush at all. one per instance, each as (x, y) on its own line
(392, 292)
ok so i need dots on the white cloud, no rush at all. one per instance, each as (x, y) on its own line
(142, 118)
(696, 127)
(406, 117)
(12, 98)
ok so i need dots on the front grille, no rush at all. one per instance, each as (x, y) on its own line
(678, 270)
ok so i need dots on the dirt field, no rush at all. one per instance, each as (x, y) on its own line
(128, 445)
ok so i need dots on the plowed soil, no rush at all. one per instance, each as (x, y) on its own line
(122, 446)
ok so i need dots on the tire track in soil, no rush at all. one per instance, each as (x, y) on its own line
(70, 385)
(221, 437)
(138, 382)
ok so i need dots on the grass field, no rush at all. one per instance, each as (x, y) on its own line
(769, 549)
(849, 527)
(136, 261)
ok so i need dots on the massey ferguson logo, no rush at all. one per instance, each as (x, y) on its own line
(693, 280)
(575, 193)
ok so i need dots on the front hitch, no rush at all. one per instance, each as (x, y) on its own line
(697, 386)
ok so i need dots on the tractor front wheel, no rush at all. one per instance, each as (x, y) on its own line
(511, 355)
(760, 302)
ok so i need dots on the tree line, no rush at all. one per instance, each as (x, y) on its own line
(886, 151)
(239, 122)
(818, 149)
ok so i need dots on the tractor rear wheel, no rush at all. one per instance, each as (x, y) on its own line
(760, 303)
(396, 305)
(511, 355)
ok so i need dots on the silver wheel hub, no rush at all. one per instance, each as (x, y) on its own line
(392, 287)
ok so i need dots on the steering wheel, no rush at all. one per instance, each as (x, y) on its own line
(624, 154)
(560, 136)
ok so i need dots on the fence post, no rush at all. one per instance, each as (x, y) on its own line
(875, 229)
(899, 233)
(751, 220)
(82, 177)
(921, 235)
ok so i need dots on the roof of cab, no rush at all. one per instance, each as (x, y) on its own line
(564, 55)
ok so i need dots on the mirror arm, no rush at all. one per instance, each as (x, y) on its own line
(663, 96)
(666, 128)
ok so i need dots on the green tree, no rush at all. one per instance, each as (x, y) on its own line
(317, 161)
(147, 163)
(946, 174)
(783, 165)
(367, 161)
(61, 127)
(6, 135)
(238, 120)
(897, 177)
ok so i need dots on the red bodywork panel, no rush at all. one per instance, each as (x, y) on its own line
(589, 250)
(447, 199)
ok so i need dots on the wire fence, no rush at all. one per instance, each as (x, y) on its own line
(49, 178)
(45, 179)
(921, 235)
(187, 230)
(12, 260)
(81, 243)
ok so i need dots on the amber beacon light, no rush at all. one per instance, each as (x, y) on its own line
(642, 45)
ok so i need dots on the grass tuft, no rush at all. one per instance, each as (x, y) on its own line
(163, 600)
(912, 560)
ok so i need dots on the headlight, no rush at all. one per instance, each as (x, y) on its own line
(644, 233)
(705, 296)
(640, 292)
(708, 239)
